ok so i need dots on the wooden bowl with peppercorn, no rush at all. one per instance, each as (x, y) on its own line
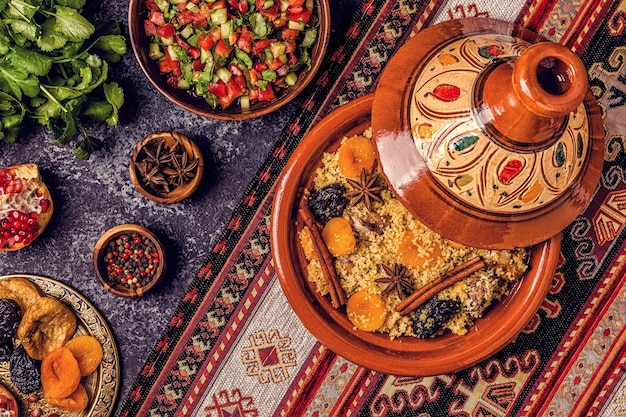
(166, 167)
(129, 260)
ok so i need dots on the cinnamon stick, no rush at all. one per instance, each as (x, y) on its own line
(337, 296)
(444, 281)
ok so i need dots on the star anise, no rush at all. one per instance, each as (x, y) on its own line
(365, 189)
(157, 153)
(155, 179)
(397, 280)
(182, 170)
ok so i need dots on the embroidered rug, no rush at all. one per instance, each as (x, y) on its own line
(235, 348)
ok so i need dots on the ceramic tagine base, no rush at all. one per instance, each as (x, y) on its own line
(487, 136)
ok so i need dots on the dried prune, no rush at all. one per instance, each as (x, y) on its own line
(10, 316)
(430, 317)
(328, 202)
(24, 371)
(6, 349)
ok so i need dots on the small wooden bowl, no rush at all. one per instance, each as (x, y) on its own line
(177, 193)
(100, 263)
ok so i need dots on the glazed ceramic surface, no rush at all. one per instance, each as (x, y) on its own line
(480, 148)
(103, 385)
(137, 13)
(404, 355)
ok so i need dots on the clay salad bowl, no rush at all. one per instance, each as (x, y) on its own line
(405, 355)
(200, 58)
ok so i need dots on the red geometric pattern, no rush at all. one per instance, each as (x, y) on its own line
(573, 352)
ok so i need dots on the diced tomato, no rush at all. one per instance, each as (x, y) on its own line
(253, 94)
(296, 2)
(181, 6)
(218, 88)
(304, 15)
(149, 27)
(197, 65)
(240, 5)
(289, 34)
(222, 50)
(206, 40)
(234, 87)
(245, 40)
(267, 94)
(156, 18)
(240, 80)
(167, 65)
(151, 5)
(218, 4)
(166, 31)
(184, 17)
(259, 66)
(270, 13)
(254, 76)
(274, 64)
(259, 46)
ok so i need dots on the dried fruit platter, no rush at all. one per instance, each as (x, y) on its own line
(403, 355)
(103, 385)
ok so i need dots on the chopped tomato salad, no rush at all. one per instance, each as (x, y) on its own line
(231, 52)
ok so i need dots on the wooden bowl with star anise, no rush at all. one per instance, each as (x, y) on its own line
(166, 167)
(329, 321)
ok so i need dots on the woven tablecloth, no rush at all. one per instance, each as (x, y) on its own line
(234, 347)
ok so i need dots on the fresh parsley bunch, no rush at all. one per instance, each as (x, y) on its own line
(54, 66)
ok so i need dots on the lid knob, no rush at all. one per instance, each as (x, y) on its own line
(524, 103)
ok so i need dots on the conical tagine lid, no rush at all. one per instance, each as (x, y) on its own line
(488, 135)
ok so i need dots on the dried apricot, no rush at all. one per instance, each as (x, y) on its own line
(339, 237)
(366, 311)
(355, 154)
(415, 255)
(60, 374)
(87, 352)
(76, 401)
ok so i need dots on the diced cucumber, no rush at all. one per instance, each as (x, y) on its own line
(219, 16)
(244, 101)
(291, 78)
(154, 51)
(284, 5)
(268, 4)
(277, 48)
(173, 50)
(224, 74)
(183, 84)
(296, 25)
(187, 31)
(167, 41)
(227, 29)
(192, 7)
(205, 55)
(164, 5)
(177, 1)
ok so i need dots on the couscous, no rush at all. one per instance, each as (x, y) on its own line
(386, 254)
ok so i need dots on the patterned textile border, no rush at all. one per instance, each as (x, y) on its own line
(231, 325)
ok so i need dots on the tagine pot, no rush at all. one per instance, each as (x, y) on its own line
(488, 133)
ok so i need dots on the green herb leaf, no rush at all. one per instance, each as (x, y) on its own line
(243, 57)
(71, 24)
(87, 146)
(49, 39)
(114, 95)
(17, 82)
(31, 61)
(98, 110)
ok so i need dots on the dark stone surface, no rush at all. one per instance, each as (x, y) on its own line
(93, 196)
